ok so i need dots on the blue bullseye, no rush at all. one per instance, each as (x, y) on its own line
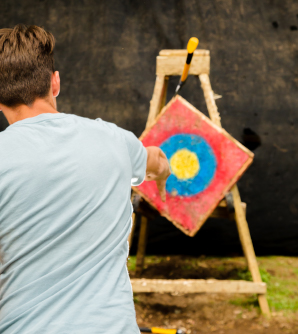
(206, 158)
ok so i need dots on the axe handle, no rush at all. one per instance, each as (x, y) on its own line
(191, 46)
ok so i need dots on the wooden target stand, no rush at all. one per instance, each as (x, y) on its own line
(171, 62)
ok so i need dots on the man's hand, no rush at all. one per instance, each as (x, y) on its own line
(158, 169)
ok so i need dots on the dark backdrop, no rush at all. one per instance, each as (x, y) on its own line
(106, 53)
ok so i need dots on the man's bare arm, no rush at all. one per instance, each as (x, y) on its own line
(158, 169)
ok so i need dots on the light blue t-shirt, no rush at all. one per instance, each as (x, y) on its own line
(65, 216)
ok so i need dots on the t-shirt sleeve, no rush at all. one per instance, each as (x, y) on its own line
(138, 157)
(136, 150)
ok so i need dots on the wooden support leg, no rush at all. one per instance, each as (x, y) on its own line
(132, 232)
(247, 246)
(209, 98)
(164, 93)
(133, 221)
(242, 225)
(142, 245)
(158, 99)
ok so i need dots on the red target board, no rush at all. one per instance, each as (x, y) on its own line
(205, 162)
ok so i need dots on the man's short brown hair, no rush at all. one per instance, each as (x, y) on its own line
(26, 64)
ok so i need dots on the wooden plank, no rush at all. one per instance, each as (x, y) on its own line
(141, 245)
(247, 246)
(183, 53)
(157, 99)
(196, 286)
(173, 65)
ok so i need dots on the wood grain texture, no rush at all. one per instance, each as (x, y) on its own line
(209, 98)
(196, 286)
(159, 91)
(173, 65)
(133, 227)
(247, 246)
(183, 53)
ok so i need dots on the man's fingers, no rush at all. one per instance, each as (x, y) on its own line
(161, 186)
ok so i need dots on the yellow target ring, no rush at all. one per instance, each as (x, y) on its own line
(184, 164)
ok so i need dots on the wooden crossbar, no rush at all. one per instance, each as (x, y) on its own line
(196, 286)
(171, 62)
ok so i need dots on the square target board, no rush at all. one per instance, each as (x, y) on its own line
(205, 163)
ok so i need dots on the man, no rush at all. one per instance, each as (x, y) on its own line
(65, 210)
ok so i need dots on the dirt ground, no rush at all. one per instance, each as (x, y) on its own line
(218, 313)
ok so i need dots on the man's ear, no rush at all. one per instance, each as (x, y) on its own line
(55, 83)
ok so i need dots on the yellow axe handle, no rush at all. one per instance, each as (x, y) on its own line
(163, 331)
(191, 46)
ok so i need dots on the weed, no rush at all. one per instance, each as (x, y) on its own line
(265, 276)
(135, 299)
(246, 302)
(131, 263)
(221, 268)
(244, 275)
(186, 267)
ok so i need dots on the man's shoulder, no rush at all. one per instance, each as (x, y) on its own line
(5, 135)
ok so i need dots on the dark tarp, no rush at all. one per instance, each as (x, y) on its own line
(106, 53)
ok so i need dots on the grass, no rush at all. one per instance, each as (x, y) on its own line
(131, 263)
(246, 275)
(282, 286)
(282, 294)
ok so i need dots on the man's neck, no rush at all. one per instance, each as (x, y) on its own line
(39, 106)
